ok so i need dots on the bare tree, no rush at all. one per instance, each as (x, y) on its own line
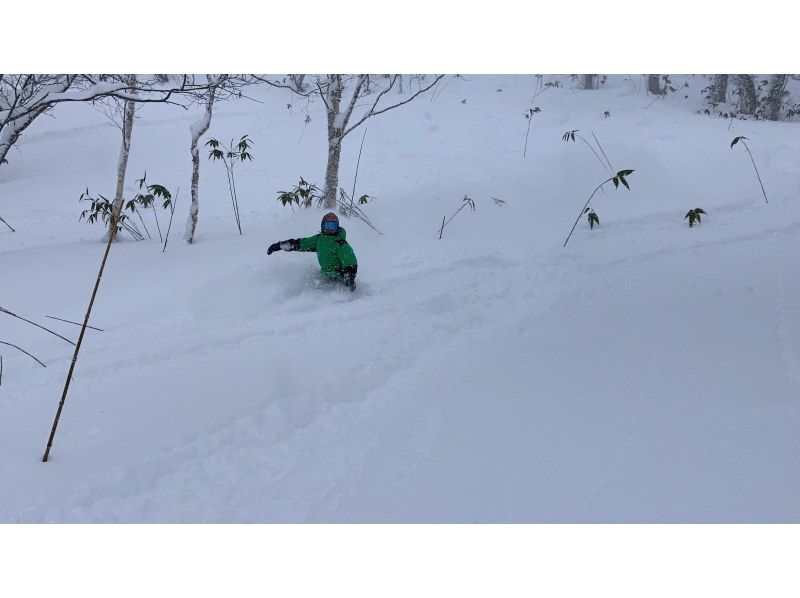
(654, 85)
(298, 81)
(24, 98)
(127, 108)
(20, 106)
(774, 100)
(589, 82)
(122, 113)
(197, 130)
(219, 87)
(718, 91)
(746, 90)
(340, 94)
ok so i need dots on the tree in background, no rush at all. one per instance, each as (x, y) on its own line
(718, 92)
(773, 102)
(21, 102)
(654, 85)
(589, 82)
(122, 114)
(218, 87)
(746, 90)
(339, 94)
(24, 98)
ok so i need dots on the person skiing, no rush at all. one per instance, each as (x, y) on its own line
(335, 256)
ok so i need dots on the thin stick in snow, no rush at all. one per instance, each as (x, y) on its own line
(232, 189)
(171, 214)
(236, 202)
(602, 151)
(7, 224)
(77, 348)
(24, 351)
(71, 322)
(571, 135)
(617, 179)
(354, 210)
(138, 213)
(358, 163)
(305, 124)
(12, 314)
(525, 151)
(466, 202)
(741, 138)
(589, 145)
(160, 238)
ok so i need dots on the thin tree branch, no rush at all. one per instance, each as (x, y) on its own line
(374, 105)
(356, 93)
(24, 351)
(12, 314)
(292, 87)
(372, 112)
(322, 95)
(71, 322)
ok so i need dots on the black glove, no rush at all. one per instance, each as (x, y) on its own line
(349, 274)
(288, 245)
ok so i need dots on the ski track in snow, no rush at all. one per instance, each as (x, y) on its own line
(222, 461)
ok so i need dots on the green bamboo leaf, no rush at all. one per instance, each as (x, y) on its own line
(737, 139)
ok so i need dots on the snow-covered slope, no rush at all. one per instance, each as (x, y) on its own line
(646, 372)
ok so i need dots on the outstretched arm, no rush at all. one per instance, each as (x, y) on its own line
(303, 244)
(288, 245)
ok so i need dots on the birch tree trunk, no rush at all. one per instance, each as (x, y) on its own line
(719, 89)
(129, 111)
(339, 125)
(332, 173)
(654, 85)
(198, 129)
(746, 89)
(775, 98)
(335, 128)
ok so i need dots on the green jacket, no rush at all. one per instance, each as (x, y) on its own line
(333, 253)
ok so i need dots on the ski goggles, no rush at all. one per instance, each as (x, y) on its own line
(329, 226)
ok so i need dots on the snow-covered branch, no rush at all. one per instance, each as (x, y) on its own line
(23, 98)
